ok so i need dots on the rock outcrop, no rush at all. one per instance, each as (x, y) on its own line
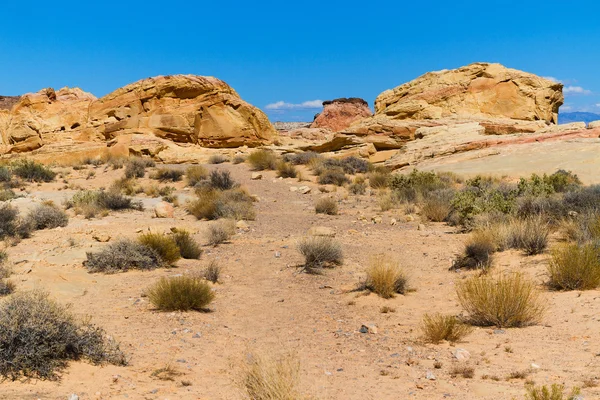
(339, 114)
(184, 109)
(7, 102)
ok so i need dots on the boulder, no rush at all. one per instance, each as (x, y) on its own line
(339, 114)
(163, 210)
(478, 90)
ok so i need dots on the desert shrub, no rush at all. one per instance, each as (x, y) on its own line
(239, 159)
(326, 205)
(386, 200)
(551, 208)
(574, 267)
(531, 235)
(136, 167)
(32, 171)
(555, 392)
(195, 174)
(270, 378)
(217, 159)
(301, 158)
(479, 197)
(584, 200)
(564, 181)
(212, 272)
(7, 194)
(416, 184)
(122, 256)
(354, 165)
(320, 252)
(335, 176)
(168, 174)
(5, 174)
(111, 200)
(438, 205)
(163, 245)
(286, 170)
(124, 185)
(188, 247)
(507, 300)
(213, 204)
(220, 232)
(180, 293)
(535, 186)
(385, 277)
(379, 179)
(478, 251)
(6, 287)
(261, 160)
(92, 161)
(46, 216)
(39, 336)
(438, 327)
(462, 370)
(221, 180)
(358, 186)
(9, 220)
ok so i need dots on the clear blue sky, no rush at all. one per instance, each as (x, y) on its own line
(295, 52)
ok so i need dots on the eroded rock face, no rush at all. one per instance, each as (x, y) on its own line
(479, 90)
(7, 102)
(339, 114)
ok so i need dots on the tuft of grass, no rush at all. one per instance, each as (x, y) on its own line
(533, 236)
(122, 256)
(213, 204)
(220, 232)
(188, 247)
(327, 206)
(217, 159)
(168, 174)
(439, 327)
(575, 267)
(320, 252)
(38, 337)
(212, 272)
(180, 293)
(286, 170)
(261, 160)
(358, 186)
(507, 300)
(164, 245)
(195, 174)
(46, 216)
(379, 179)
(462, 370)
(32, 171)
(554, 392)
(387, 309)
(385, 277)
(166, 373)
(270, 378)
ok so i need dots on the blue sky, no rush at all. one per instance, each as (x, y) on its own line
(285, 56)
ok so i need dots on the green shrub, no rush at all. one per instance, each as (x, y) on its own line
(261, 160)
(327, 206)
(32, 171)
(45, 216)
(217, 159)
(180, 293)
(122, 256)
(195, 174)
(286, 170)
(509, 300)
(475, 200)
(438, 327)
(188, 247)
(320, 252)
(168, 174)
(38, 337)
(7, 194)
(164, 245)
(555, 392)
(575, 267)
(417, 183)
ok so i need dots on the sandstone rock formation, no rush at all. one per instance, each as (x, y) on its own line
(339, 114)
(7, 102)
(196, 110)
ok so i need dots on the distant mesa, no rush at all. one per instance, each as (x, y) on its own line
(339, 114)
(569, 117)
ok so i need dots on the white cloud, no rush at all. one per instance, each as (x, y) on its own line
(576, 90)
(307, 105)
(566, 108)
(553, 79)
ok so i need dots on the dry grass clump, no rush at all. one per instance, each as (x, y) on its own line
(32, 171)
(334, 176)
(386, 201)
(286, 170)
(462, 370)
(239, 159)
(166, 373)
(164, 245)
(220, 232)
(221, 180)
(261, 160)
(122, 256)
(327, 206)
(91, 203)
(379, 179)
(385, 277)
(136, 167)
(6, 287)
(507, 300)
(47, 216)
(436, 209)
(358, 186)
(38, 337)
(320, 252)
(303, 158)
(217, 159)
(195, 174)
(168, 174)
(213, 204)
(478, 252)
(188, 247)
(11, 225)
(439, 327)
(554, 392)
(212, 272)
(270, 378)
(531, 235)
(575, 267)
(180, 293)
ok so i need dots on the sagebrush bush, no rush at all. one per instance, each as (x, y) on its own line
(32, 171)
(286, 170)
(320, 252)
(168, 174)
(416, 185)
(217, 159)
(261, 160)
(220, 232)
(271, 378)
(575, 267)
(506, 300)
(122, 256)
(5, 174)
(180, 293)
(164, 245)
(532, 235)
(214, 204)
(188, 247)
(46, 216)
(385, 277)
(326, 205)
(136, 167)
(195, 174)
(9, 221)
(38, 337)
(358, 186)
(301, 158)
(554, 392)
(478, 252)
(333, 176)
(438, 327)
(221, 180)
(212, 272)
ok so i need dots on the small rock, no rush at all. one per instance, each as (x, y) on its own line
(243, 225)
(101, 237)
(293, 188)
(430, 376)
(277, 254)
(462, 354)
(197, 335)
(535, 366)
(421, 227)
(304, 189)
(368, 328)
(409, 218)
(499, 331)
(376, 219)
(73, 397)
(163, 210)
(393, 221)
(256, 176)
